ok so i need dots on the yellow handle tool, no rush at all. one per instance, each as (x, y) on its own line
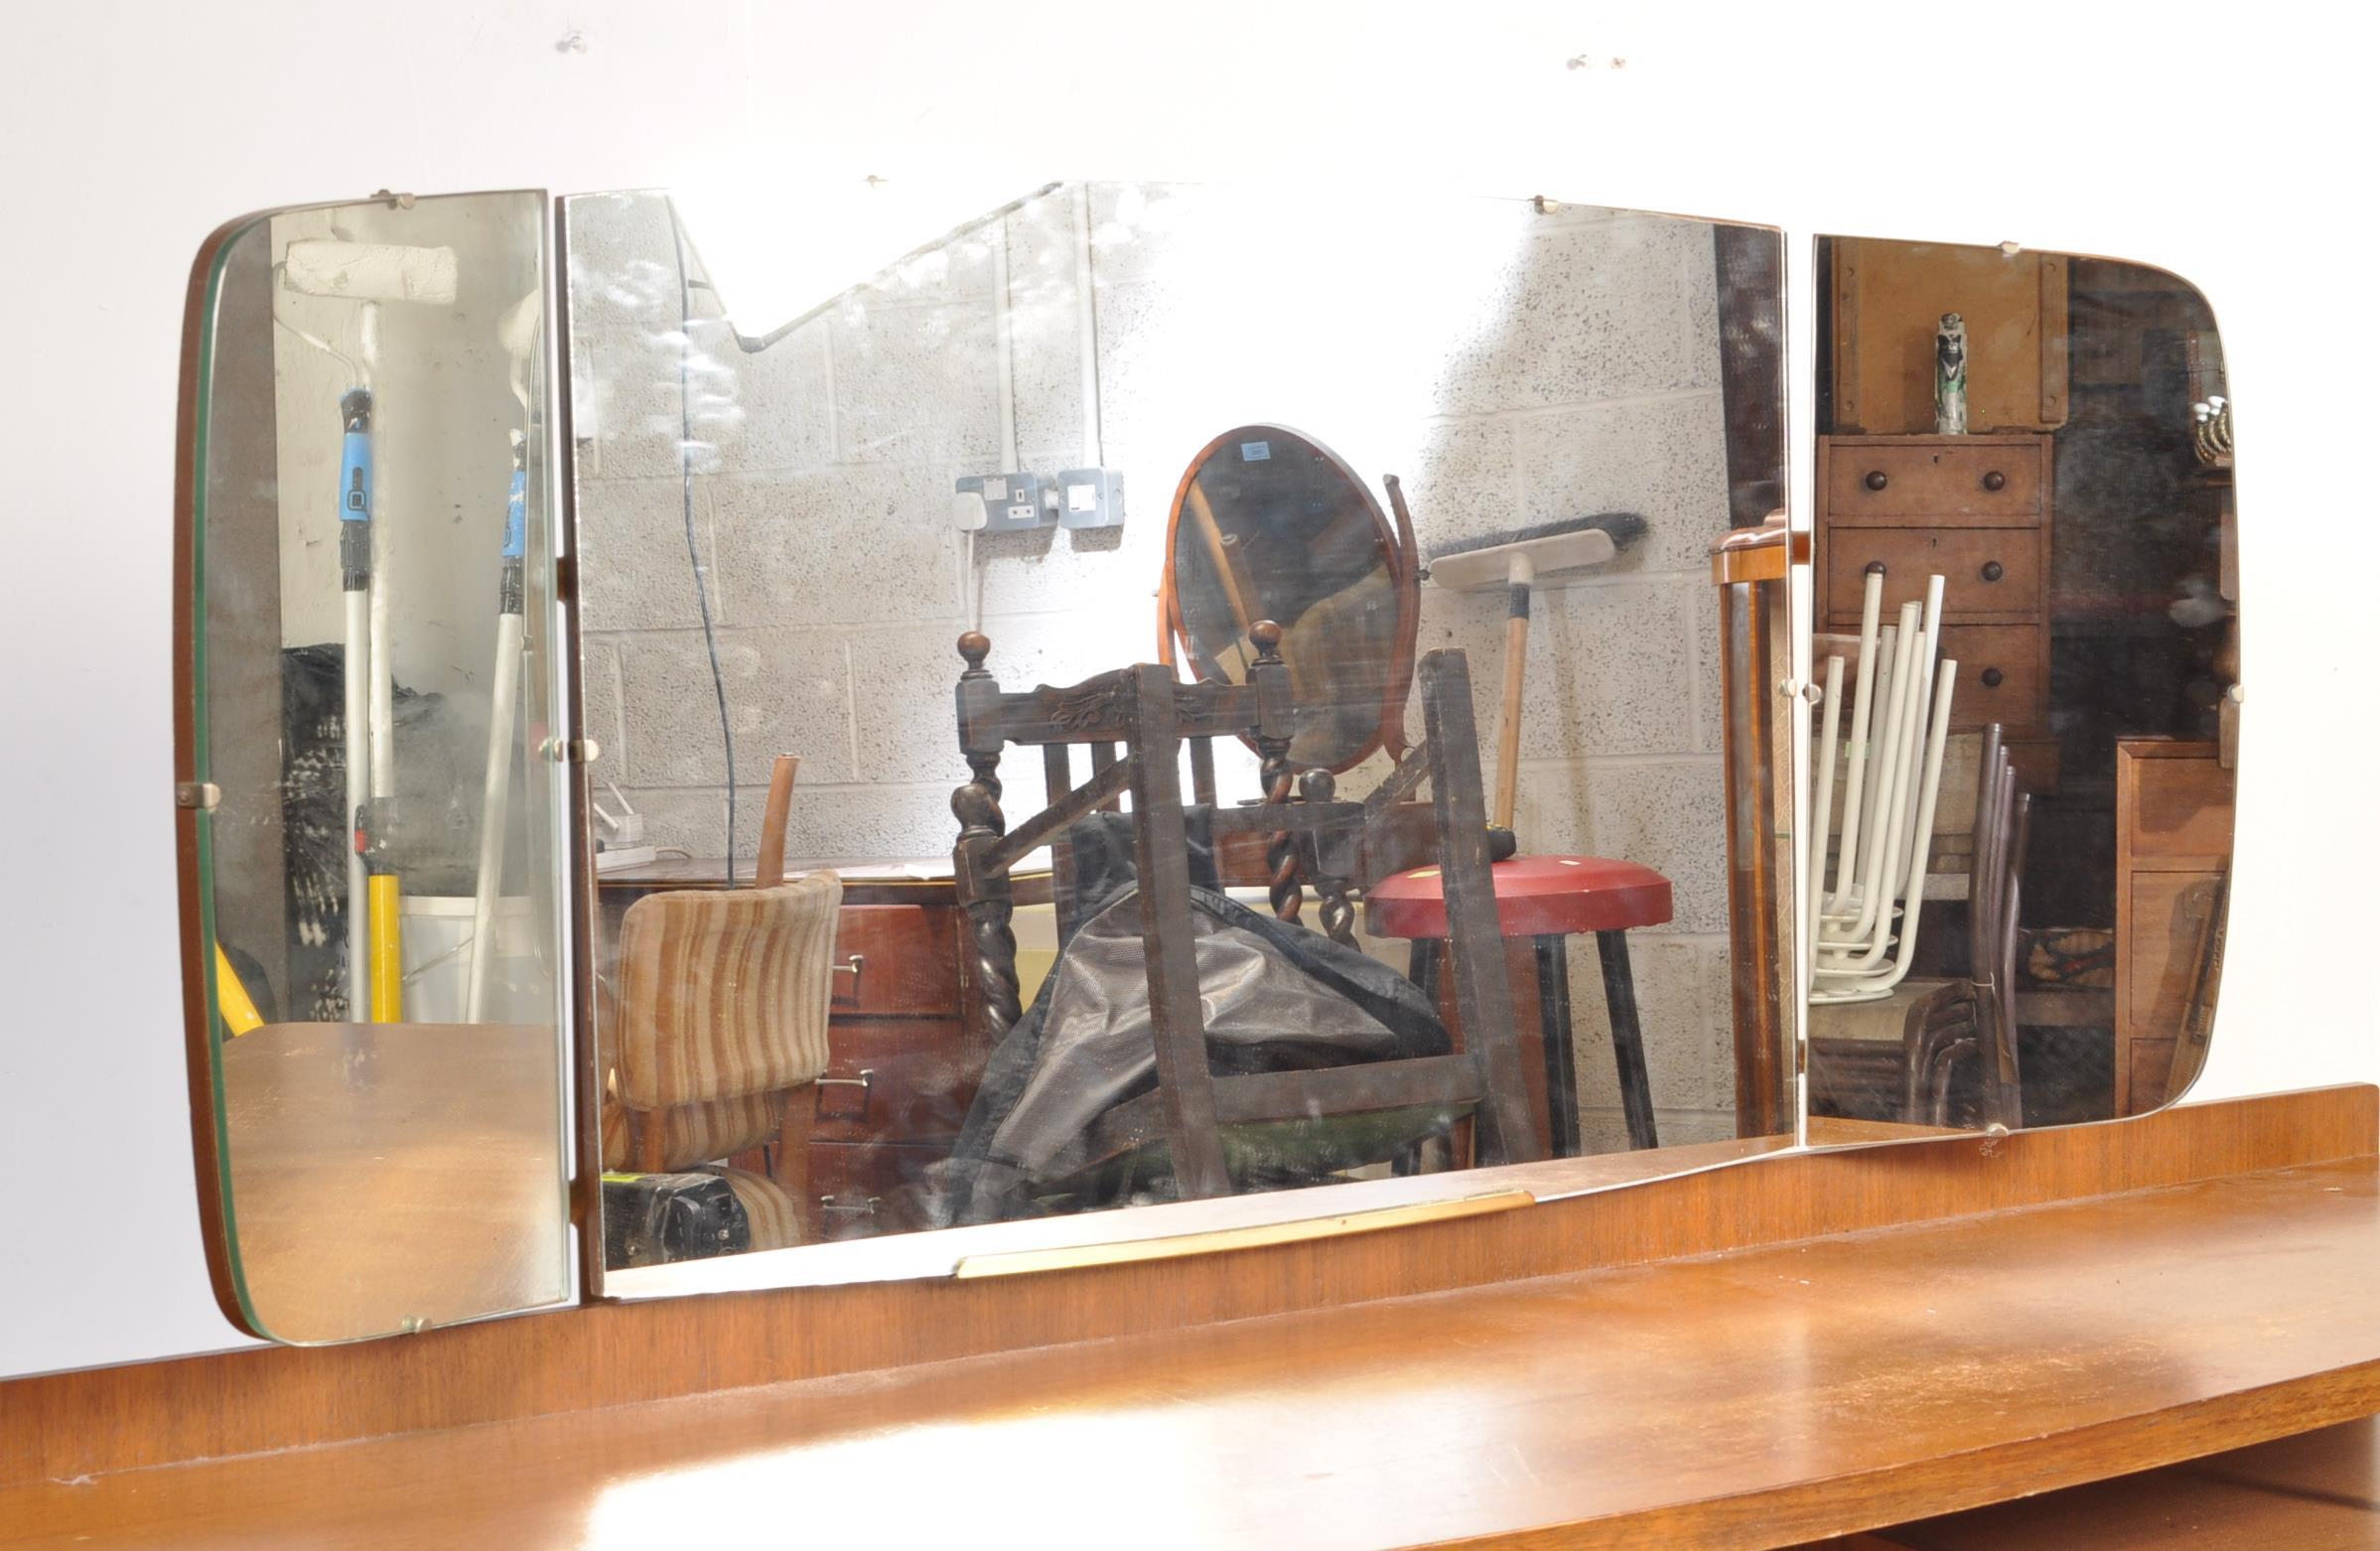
(232, 999)
(385, 901)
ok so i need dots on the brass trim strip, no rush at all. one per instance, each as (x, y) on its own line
(1074, 1257)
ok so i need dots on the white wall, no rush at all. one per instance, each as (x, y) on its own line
(130, 129)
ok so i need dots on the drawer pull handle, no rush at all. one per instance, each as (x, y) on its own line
(866, 1209)
(852, 967)
(1992, 571)
(1875, 480)
(1993, 678)
(865, 1081)
(1994, 481)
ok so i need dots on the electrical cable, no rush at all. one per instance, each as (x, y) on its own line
(685, 463)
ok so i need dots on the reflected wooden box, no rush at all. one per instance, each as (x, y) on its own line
(2174, 817)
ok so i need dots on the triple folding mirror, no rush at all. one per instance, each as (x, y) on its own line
(1163, 708)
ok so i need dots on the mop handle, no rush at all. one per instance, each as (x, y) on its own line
(355, 493)
(517, 508)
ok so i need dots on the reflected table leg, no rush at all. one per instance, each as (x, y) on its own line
(1627, 1037)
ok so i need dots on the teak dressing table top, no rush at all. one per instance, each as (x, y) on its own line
(1763, 1396)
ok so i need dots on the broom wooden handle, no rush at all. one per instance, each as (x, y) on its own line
(1507, 727)
(768, 868)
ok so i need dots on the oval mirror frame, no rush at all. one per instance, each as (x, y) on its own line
(1400, 559)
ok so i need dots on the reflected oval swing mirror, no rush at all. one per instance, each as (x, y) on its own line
(1270, 525)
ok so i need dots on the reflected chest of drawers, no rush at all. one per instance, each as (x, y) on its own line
(1975, 511)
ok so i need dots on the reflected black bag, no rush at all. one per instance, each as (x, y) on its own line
(1275, 997)
(655, 1220)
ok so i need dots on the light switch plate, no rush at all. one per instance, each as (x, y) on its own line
(1090, 497)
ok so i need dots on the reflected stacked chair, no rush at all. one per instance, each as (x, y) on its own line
(1881, 1039)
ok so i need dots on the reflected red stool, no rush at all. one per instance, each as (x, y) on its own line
(1546, 899)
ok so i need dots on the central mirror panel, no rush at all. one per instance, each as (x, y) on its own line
(1155, 694)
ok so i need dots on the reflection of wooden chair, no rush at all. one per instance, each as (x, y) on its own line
(720, 1018)
(1150, 715)
(1897, 1053)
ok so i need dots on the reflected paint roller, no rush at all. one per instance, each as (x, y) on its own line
(370, 271)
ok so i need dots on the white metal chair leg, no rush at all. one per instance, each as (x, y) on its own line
(1921, 853)
(1822, 811)
(1879, 744)
(1853, 962)
(1863, 712)
(1891, 774)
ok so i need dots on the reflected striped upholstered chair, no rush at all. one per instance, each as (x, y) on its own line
(719, 1021)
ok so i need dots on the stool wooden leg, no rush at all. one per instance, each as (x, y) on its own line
(1627, 1037)
(1561, 1064)
(1420, 968)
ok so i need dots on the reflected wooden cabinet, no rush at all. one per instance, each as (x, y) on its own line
(1887, 297)
(2174, 814)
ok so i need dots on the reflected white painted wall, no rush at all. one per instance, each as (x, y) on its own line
(133, 129)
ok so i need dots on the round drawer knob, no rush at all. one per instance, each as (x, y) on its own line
(1875, 479)
(1993, 678)
(1993, 571)
(1994, 481)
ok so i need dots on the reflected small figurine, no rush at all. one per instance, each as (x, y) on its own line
(1950, 376)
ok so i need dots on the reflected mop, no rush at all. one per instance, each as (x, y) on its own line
(517, 332)
(369, 273)
(494, 800)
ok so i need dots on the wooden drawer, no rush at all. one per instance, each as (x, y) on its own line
(2182, 812)
(909, 960)
(858, 1192)
(1984, 570)
(2010, 653)
(922, 1078)
(1936, 478)
(2171, 914)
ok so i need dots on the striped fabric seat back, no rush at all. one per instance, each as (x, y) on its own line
(696, 1133)
(776, 1219)
(723, 993)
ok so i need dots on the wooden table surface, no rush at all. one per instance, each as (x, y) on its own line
(1753, 1398)
(382, 1173)
(2316, 1492)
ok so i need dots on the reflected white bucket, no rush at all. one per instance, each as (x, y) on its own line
(437, 962)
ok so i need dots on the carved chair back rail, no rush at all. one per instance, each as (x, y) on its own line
(1144, 712)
